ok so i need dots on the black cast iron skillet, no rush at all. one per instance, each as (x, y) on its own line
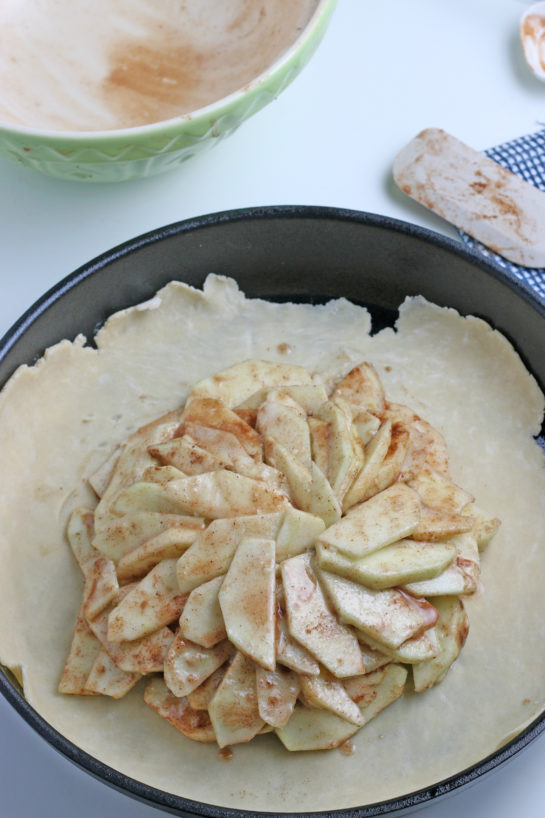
(281, 253)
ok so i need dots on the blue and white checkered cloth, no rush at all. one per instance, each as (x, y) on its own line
(524, 156)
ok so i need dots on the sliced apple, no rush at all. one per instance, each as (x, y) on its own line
(452, 629)
(101, 586)
(453, 580)
(319, 442)
(155, 601)
(80, 533)
(345, 459)
(184, 453)
(169, 544)
(123, 534)
(312, 729)
(323, 502)
(287, 426)
(390, 617)
(440, 525)
(234, 708)
(161, 474)
(149, 497)
(215, 414)
(223, 493)
(277, 692)
(298, 533)
(145, 655)
(195, 724)
(312, 623)
(247, 600)
(438, 492)
(201, 697)
(100, 478)
(107, 679)
(418, 648)
(237, 383)
(288, 651)
(384, 519)
(299, 479)
(327, 693)
(187, 665)
(211, 554)
(484, 526)
(383, 691)
(365, 424)
(202, 620)
(84, 649)
(309, 396)
(362, 388)
(404, 561)
(390, 468)
(375, 452)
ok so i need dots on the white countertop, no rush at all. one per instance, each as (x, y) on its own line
(384, 71)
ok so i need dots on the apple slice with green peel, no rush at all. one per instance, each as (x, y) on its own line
(155, 601)
(201, 620)
(288, 427)
(319, 442)
(223, 493)
(107, 679)
(345, 460)
(195, 724)
(124, 534)
(308, 396)
(298, 533)
(440, 493)
(183, 453)
(440, 525)
(237, 383)
(247, 600)
(149, 497)
(169, 544)
(216, 415)
(375, 452)
(384, 519)
(234, 709)
(187, 665)
(313, 729)
(288, 651)
(327, 693)
(201, 697)
(383, 690)
(211, 554)
(362, 387)
(390, 617)
(312, 623)
(404, 561)
(84, 650)
(277, 692)
(452, 629)
(484, 526)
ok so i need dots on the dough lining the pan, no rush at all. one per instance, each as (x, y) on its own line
(62, 417)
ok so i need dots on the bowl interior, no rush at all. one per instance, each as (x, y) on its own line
(308, 254)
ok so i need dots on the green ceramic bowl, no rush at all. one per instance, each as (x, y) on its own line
(130, 153)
